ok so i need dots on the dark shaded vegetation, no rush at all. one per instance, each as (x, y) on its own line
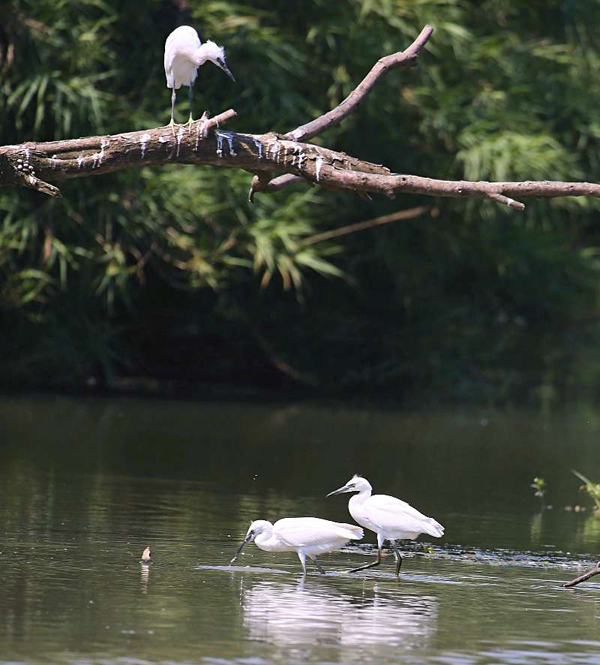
(169, 274)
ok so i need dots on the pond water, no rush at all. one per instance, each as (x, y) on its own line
(86, 484)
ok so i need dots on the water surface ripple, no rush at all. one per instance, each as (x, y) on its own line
(85, 485)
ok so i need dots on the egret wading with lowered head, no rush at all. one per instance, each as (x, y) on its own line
(307, 536)
(390, 518)
(184, 53)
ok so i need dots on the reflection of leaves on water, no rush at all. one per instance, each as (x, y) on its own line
(589, 529)
(536, 528)
(289, 615)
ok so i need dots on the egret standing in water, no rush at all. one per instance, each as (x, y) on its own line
(390, 518)
(183, 55)
(307, 536)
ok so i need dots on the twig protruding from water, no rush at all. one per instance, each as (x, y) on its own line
(584, 577)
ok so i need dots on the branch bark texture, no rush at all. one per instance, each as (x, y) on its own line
(276, 160)
(584, 577)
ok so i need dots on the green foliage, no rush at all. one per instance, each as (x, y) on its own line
(539, 485)
(593, 489)
(474, 301)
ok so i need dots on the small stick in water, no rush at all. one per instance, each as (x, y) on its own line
(146, 555)
(584, 577)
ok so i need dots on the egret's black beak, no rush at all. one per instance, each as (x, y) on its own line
(248, 539)
(223, 65)
(343, 489)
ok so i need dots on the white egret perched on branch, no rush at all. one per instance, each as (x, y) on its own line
(183, 55)
(390, 518)
(307, 536)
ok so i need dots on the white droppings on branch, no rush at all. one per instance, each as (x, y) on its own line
(143, 141)
(273, 146)
(80, 161)
(180, 134)
(198, 126)
(318, 165)
(99, 156)
(301, 158)
(228, 136)
(259, 146)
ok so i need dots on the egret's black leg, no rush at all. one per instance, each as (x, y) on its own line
(398, 558)
(173, 98)
(191, 96)
(317, 564)
(369, 565)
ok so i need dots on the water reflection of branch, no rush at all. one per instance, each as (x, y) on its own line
(584, 577)
(311, 613)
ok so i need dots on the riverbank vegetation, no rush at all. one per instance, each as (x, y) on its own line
(171, 275)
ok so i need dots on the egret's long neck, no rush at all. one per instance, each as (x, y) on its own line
(355, 507)
(360, 498)
(200, 55)
(263, 538)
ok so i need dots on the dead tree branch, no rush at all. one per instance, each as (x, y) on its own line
(411, 213)
(584, 577)
(407, 58)
(277, 161)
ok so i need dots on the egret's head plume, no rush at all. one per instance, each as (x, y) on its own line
(216, 54)
(257, 527)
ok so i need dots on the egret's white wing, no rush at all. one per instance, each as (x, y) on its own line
(307, 531)
(392, 513)
(183, 41)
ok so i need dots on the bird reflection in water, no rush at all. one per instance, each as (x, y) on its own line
(312, 615)
(145, 562)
